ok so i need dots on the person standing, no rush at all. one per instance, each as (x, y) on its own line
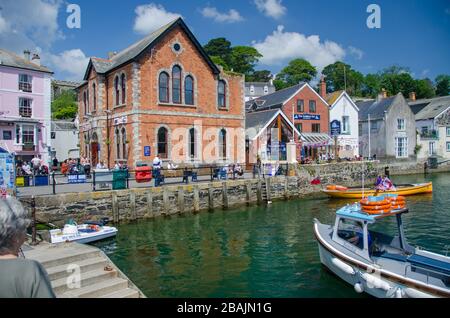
(36, 163)
(19, 278)
(157, 170)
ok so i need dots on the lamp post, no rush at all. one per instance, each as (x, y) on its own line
(108, 142)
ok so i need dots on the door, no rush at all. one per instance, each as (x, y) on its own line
(432, 148)
(94, 154)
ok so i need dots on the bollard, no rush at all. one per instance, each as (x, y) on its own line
(93, 180)
(53, 182)
(33, 220)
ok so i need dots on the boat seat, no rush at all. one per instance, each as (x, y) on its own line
(434, 264)
(396, 257)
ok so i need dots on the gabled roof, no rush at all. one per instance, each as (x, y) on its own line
(334, 97)
(433, 108)
(11, 59)
(134, 51)
(275, 100)
(63, 125)
(257, 122)
(258, 88)
(376, 108)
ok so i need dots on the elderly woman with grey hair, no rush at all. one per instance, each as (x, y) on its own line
(19, 278)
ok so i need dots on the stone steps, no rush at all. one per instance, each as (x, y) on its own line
(123, 293)
(89, 278)
(101, 289)
(62, 271)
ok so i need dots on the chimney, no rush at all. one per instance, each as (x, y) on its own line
(36, 59)
(26, 55)
(381, 95)
(412, 96)
(111, 54)
(323, 87)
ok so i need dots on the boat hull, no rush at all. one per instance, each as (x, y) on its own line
(358, 193)
(85, 237)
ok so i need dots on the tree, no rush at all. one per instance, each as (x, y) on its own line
(340, 76)
(424, 88)
(298, 70)
(259, 76)
(243, 59)
(219, 47)
(396, 81)
(443, 85)
(371, 85)
(219, 61)
(65, 106)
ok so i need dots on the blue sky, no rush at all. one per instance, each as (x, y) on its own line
(414, 33)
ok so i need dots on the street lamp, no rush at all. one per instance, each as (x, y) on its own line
(108, 142)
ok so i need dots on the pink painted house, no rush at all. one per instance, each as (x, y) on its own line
(25, 106)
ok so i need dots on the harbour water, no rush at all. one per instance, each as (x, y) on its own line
(259, 251)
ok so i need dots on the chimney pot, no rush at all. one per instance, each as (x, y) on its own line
(323, 87)
(412, 96)
(36, 59)
(26, 55)
(111, 54)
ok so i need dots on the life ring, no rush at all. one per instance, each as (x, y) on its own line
(377, 207)
(377, 211)
(398, 206)
(366, 202)
(397, 198)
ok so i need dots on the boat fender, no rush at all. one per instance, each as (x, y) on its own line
(375, 282)
(359, 288)
(414, 293)
(399, 293)
(343, 266)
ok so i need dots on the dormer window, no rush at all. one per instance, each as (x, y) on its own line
(266, 89)
(252, 89)
(25, 83)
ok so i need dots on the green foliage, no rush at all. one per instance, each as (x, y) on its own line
(219, 47)
(424, 88)
(65, 106)
(443, 85)
(417, 149)
(398, 83)
(335, 79)
(243, 59)
(372, 85)
(259, 76)
(219, 61)
(298, 70)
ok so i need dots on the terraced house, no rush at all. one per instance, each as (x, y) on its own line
(162, 95)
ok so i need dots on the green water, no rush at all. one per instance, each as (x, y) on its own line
(258, 251)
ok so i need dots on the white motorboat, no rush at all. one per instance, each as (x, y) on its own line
(83, 233)
(378, 264)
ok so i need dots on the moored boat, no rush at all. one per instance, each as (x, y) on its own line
(83, 233)
(378, 264)
(357, 193)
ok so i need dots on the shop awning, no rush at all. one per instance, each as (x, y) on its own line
(316, 140)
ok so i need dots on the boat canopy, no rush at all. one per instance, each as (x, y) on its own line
(354, 212)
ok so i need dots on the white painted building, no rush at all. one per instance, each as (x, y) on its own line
(64, 136)
(344, 110)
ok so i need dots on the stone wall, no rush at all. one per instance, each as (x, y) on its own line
(142, 203)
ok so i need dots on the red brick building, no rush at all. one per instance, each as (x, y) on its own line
(161, 95)
(307, 110)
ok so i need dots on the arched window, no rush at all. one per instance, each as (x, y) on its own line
(192, 151)
(124, 144)
(221, 94)
(189, 90)
(116, 90)
(164, 87)
(176, 84)
(223, 144)
(87, 99)
(85, 102)
(162, 143)
(117, 137)
(94, 97)
(123, 84)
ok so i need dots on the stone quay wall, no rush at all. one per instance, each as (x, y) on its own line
(145, 203)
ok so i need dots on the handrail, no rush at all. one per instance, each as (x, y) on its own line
(427, 270)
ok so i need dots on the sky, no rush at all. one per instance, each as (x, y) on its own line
(412, 33)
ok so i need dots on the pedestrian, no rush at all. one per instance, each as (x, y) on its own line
(36, 163)
(100, 165)
(19, 277)
(157, 170)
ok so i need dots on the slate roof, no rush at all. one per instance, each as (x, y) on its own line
(103, 66)
(258, 120)
(258, 89)
(433, 108)
(375, 108)
(274, 100)
(63, 125)
(11, 59)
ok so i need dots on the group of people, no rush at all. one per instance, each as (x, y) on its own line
(384, 184)
(76, 166)
(35, 166)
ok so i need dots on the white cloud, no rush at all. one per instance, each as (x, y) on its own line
(27, 24)
(230, 17)
(357, 53)
(281, 47)
(150, 17)
(71, 62)
(271, 8)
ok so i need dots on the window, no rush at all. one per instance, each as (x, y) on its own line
(25, 83)
(192, 152)
(176, 85)
(223, 144)
(116, 90)
(164, 87)
(374, 125)
(18, 131)
(448, 146)
(221, 94)
(124, 144)
(352, 232)
(312, 106)
(424, 130)
(25, 107)
(252, 89)
(162, 143)
(400, 124)
(448, 131)
(123, 86)
(85, 102)
(431, 148)
(53, 135)
(266, 89)
(300, 105)
(345, 125)
(94, 91)
(28, 135)
(7, 135)
(401, 147)
(189, 90)
(299, 127)
(117, 133)
(316, 128)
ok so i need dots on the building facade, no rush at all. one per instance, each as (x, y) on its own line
(387, 128)
(345, 111)
(59, 87)
(257, 89)
(163, 95)
(64, 136)
(25, 106)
